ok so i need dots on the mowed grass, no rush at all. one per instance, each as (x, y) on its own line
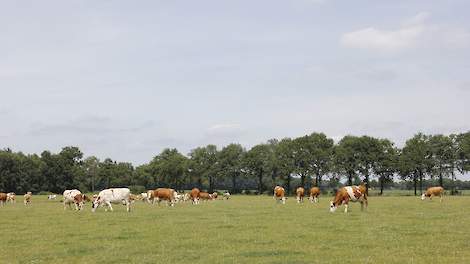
(244, 229)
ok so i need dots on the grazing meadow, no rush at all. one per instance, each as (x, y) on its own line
(244, 229)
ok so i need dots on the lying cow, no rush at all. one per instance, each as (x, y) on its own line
(11, 197)
(433, 191)
(27, 198)
(195, 195)
(300, 192)
(226, 195)
(74, 197)
(113, 195)
(314, 193)
(51, 196)
(349, 193)
(279, 194)
(165, 194)
(3, 198)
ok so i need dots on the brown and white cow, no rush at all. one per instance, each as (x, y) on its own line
(433, 191)
(205, 196)
(300, 192)
(347, 194)
(279, 194)
(11, 197)
(195, 195)
(226, 195)
(27, 198)
(74, 197)
(314, 193)
(164, 194)
(214, 195)
(3, 198)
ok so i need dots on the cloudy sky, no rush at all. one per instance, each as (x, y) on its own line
(125, 79)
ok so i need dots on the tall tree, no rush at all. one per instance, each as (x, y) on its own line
(230, 164)
(346, 157)
(387, 162)
(284, 158)
(418, 156)
(169, 168)
(444, 155)
(256, 163)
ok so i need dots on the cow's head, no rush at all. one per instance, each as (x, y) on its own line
(96, 203)
(78, 199)
(423, 196)
(332, 207)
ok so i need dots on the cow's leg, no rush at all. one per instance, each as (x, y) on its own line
(345, 207)
(128, 205)
(109, 205)
(441, 196)
(316, 199)
(430, 197)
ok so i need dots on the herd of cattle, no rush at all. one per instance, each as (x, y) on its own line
(123, 196)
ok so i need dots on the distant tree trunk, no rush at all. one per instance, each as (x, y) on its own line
(350, 176)
(381, 179)
(302, 180)
(441, 183)
(319, 181)
(260, 181)
(273, 177)
(288, 184)
(367, 183)
(211, 184)
(234, 183)
(452, 192)
(421, 182)
(415, 183)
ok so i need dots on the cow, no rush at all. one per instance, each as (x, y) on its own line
(27, 198)
(433, 191)
(195, 195)
(150, 196)
(179, 197)
(144, 197)
(349, 193)
(11, 197)
(165, 194)
(279, 194)
(114, 195)
(205, 196)
(186, 197)
(51, 197)
(215, 195)
(300, 192)
(226, 195)
(3, 198)
(74, 197)
(314, 193)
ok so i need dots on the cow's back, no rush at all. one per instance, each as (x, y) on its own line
(3, 197)
(195, 193)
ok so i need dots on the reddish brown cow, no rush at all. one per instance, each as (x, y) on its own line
(314, 193)
(279, 194)
(3, 198)
(205, 196)
(349, 193)
(27, 198)
(433, 191)
(195, 195)
(165, 194)
(300, 191)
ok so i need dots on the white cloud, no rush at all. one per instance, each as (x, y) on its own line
(413, 32)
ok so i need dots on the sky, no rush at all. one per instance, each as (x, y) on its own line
(126, 79)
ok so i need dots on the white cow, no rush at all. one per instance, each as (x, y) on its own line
(72, 197)
(113, 195)
(11, 197)
(51, 197)
(144, 196)
(227, 195)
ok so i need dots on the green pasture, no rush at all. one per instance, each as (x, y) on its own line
(244, 229)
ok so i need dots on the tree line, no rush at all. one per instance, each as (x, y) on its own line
(310, 160)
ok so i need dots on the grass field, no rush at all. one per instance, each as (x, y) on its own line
(245, 229)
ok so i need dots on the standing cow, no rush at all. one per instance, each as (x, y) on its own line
(3, 198)
(114, 195)
(205, 196)
(165, 194)
(300, 192)
(314, 193)
(27, 198)
(74, 197)
(11, 197)
(433, 191)
(226, 195)
(279, 194)
(195, 195)
(349, 193)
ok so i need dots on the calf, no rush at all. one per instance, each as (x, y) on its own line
(165, 194)
(433, 191)
(11, 197)
(279, 194)
(27, 198)
(74, 197)
(3, 198)
(51, 197)
(195, 195)
(114, 195)
(349, 193)
(226, 195)
(314, 193)
(300, 191)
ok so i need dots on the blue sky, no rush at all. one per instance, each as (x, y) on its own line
(126, 79)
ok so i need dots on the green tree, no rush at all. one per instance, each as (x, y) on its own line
(230, 164)
(417, 158)
(387, 162)
(169, 168)
(257, 163)
(203, 165)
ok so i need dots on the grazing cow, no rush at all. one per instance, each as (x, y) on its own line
(114, 195)
(205, 196)
(226, 195)
(27, 198)
(349, 193)
(51, 197)
(433, 191)
(195, 195)
(279, 194)
(314, 193)
(11, 197)
(165, 194)
(74, 197)
(144, 197)
(186, 197)
(3, 198)
(300, 191)
(215, 195)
